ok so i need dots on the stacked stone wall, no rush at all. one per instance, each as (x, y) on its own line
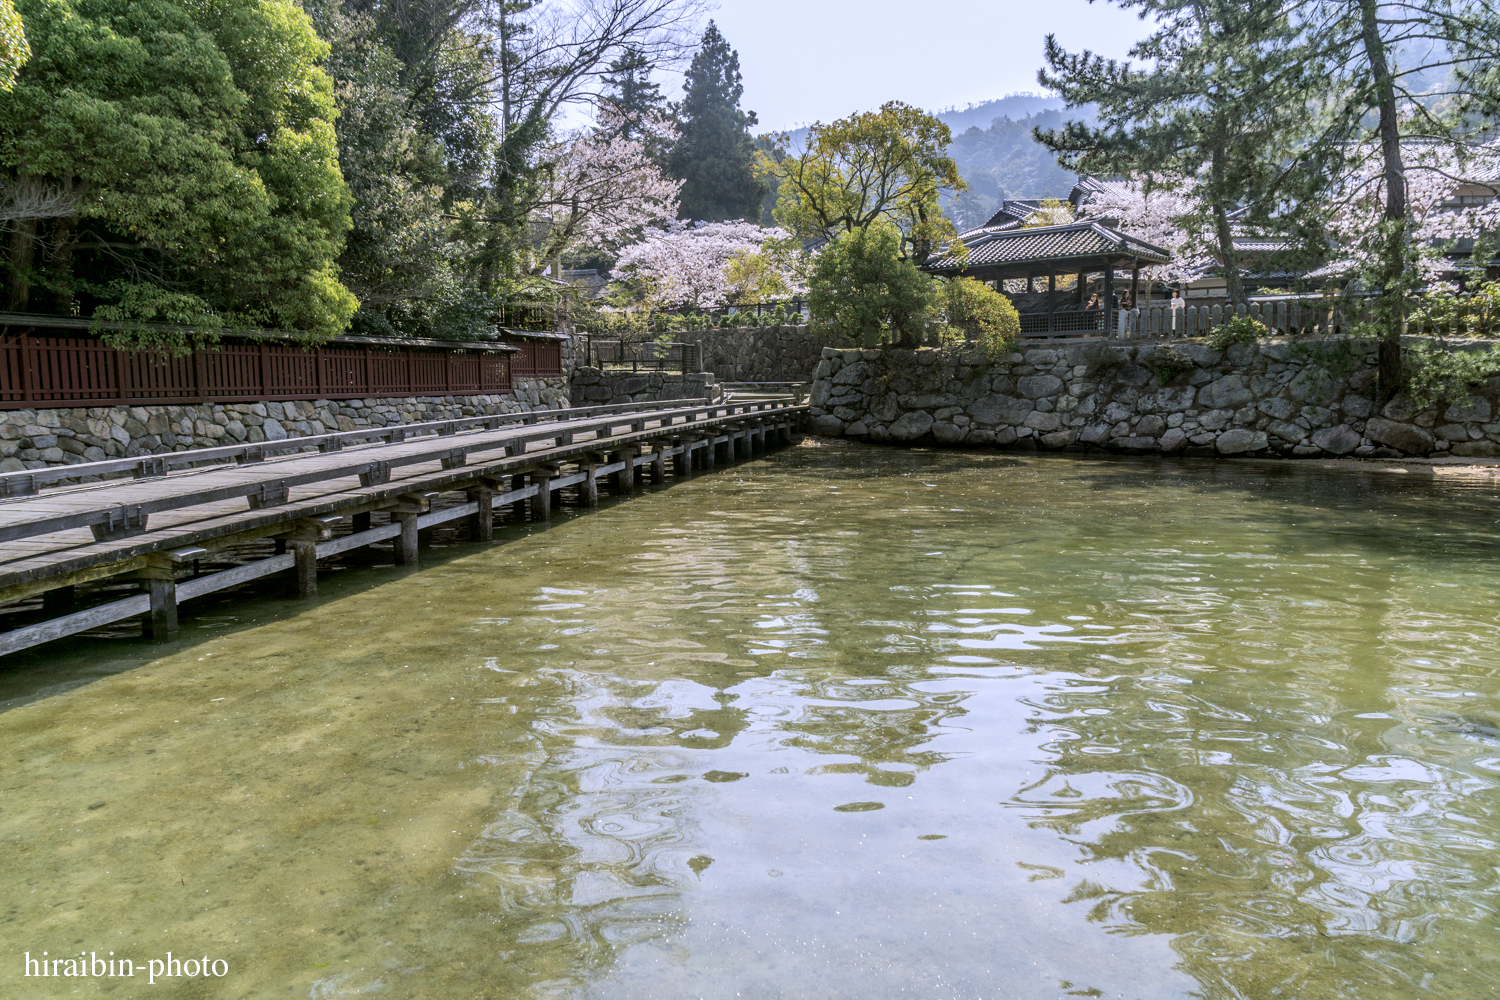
(763, 354)
(596, 387)
(1245, 400)
(35, 438)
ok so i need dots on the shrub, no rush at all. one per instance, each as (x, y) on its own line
(1237, 330)
(1435, 374)
(1166, 364)
(983, 314)
(862, 287)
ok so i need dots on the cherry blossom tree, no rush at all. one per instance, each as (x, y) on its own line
(1161, 216)
(600, 189)
(1436, 175)
(687, 263)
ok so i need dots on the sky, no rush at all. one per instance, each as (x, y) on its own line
(818, 60)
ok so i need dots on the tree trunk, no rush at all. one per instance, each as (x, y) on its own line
(1391, 272)
(1234, 290)
(62, 269)
(20, 255)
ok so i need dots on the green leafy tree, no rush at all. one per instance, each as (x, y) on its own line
(714, 155)
(862, 287)
(891, 164)
(175, 162)
(397, 252)
(1216, 109)
(13, 48)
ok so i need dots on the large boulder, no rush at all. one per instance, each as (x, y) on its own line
(1241, 441)
(827, 426)
(1403, 437)
(912, 425)
(1340, 440)
(1174, 440)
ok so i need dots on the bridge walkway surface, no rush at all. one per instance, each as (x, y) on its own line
(154, 531)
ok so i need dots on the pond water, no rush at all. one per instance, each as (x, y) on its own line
(844, 722)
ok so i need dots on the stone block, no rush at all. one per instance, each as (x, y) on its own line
(1404, 437)
(1472, 410)
(1226, 393)
(1000, 410)
(1174, 440)
(1453, 432)
(1477, 449)
(1340, 440)
(1290, 433)
(1241, 441)
(857, 429)
(1044, 422)
(1115, 412)
(827, 426)
(927, 401)
(1357, 407)
(1058, 440)
(1215, 420)
(1003, 436)
(1135, 444)
(912, 425)
(1281, 409)
(1037, 386)
(946, 433)
(1094, 433)
(1401, 409)
(1151, 426)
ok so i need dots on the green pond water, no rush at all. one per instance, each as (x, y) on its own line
(843, 722)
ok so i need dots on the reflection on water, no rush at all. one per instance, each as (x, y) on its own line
(844, 722)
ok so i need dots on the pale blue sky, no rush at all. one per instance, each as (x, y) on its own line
(806, 60)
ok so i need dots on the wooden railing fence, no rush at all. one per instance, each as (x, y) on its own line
(70, 371)
(1475, 317)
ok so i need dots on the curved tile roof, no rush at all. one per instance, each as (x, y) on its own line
(1074, 242)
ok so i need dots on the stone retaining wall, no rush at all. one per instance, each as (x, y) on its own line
(595, 387)
(32, 439)
(1255, 399)
(763, 354)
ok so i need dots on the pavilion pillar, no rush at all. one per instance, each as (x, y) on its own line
(1109, 300)
(1051, 300)
(1083, 285)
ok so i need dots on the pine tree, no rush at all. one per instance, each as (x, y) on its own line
(1223, 101)
(631, 94)
(715, 155)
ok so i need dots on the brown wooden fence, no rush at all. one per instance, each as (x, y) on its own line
(72, 370)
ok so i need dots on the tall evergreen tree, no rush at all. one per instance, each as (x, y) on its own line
(631, 94)
(1217, 111)
(715, 154)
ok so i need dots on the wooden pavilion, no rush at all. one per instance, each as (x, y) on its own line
(997, 253)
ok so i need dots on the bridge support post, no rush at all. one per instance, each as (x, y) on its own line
(518, 509)
(482, 521)
(160, 623)
(406, 542)
(306, 554)
(541, 504)
(710, 451)
(658, 462)
(589, 491)
(682, 462)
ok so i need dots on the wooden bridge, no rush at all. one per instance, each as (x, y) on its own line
(155, 530)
